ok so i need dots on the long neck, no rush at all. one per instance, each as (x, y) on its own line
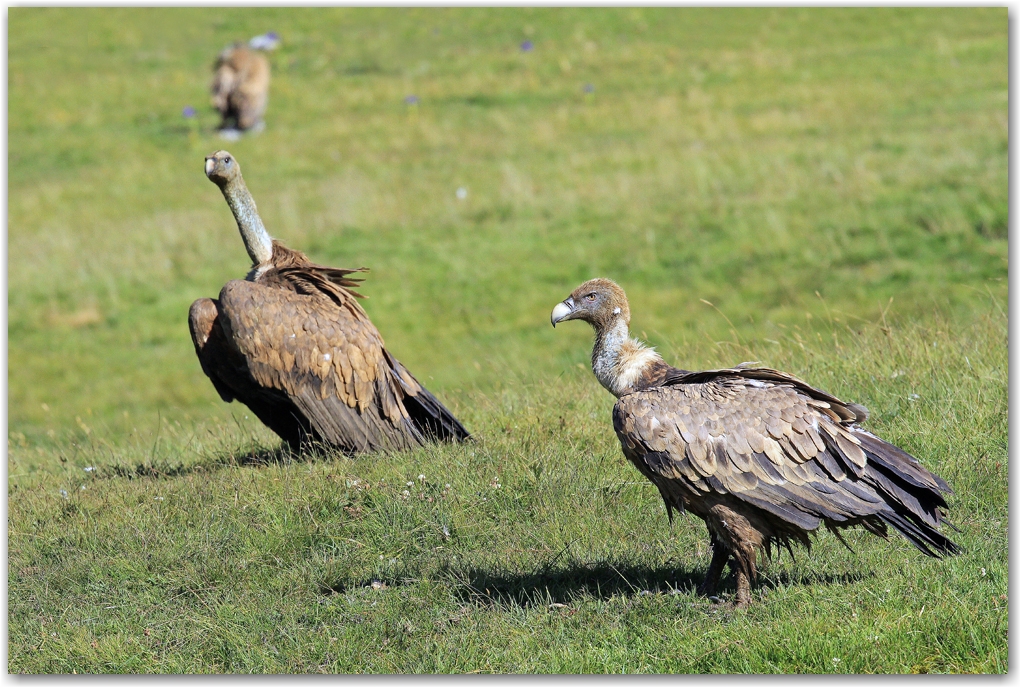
(620, 362)
(253, 233)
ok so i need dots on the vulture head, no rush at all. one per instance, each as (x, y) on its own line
(221, 167)
(620, 363)
(599, 302)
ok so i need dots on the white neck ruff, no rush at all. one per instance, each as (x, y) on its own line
(618, 361)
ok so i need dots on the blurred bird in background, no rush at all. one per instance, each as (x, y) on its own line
(240, 85)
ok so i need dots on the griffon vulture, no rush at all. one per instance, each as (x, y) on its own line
(292, 343)
(761, 456)
(240, 88)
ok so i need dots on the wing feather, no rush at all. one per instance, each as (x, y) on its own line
(703, 458)
(832, 467)
(762, 442)
(739, 461)
(331, 360)
(774, 451)
(783, 446)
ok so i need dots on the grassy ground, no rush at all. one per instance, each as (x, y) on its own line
(832, 182)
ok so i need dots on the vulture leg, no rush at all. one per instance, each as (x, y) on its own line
(743, 589)
(739, 537)
(720, 555)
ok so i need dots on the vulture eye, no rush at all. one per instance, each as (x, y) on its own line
(226, 160)
(591, 296)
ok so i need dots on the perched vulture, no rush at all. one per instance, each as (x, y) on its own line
(761, 456)
(292, 343)
(240, 88)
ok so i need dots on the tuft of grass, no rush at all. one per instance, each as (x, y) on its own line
(821, 190)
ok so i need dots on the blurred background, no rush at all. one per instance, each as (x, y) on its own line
(797, 169)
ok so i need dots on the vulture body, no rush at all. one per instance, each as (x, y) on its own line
(292, 343)
(761, 456)
(240, 87)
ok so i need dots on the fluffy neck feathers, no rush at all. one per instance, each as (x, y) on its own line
(619, 362)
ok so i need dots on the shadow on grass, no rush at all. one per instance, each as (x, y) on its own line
(600, 580)
(253, 457)
(606, 580)
(786, 579)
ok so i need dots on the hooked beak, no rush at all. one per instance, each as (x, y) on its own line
(210, 163)
(562, 311)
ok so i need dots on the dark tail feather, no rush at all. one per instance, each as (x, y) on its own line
(912, 494)
(432, 418)
(896, 460)
(927, 539)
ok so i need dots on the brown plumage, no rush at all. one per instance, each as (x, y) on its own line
(292, 343)
(762, 457)
(240, 87)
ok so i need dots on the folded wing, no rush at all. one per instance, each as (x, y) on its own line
(782, 446)
(328, 358)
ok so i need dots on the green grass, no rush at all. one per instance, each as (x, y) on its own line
(832, 182)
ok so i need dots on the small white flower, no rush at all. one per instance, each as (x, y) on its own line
(63, 492)
(447, 486)
(90, 468)
(461, 193)
(410, 484)
(406, 492)
(421, 477)
(982, 572)
(913, 397)
(835, 661)
(158, 498)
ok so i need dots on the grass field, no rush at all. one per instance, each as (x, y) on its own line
(821, 190)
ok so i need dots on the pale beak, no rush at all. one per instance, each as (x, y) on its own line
(210, 163)
(562, 311)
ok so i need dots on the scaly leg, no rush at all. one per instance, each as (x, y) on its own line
(743, 597)
(719, 557)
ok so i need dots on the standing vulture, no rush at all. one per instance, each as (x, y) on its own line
(762, 457)
(292, 343)
(240, 88)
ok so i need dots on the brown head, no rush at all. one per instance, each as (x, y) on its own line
(599, 302)
(221, 167)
